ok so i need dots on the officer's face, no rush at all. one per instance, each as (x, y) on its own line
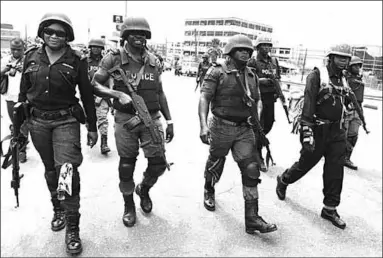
(17, 52)
(55, 36)
(264, 48)
(241, 54)
(355, 69)
(137, 39)
(341, 61)
(96, 50)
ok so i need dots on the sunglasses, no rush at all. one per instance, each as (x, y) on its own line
(58, 33)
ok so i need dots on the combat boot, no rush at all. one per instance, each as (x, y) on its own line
(72, 234)
(281, 188)
(253, 221)
(143, 192)
(104, 144)
(209, 199)
(333, 216)
(58, 221)
(348, 163)
(129, 217)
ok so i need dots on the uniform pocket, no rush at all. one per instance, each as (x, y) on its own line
(31, 73)
(68, 74)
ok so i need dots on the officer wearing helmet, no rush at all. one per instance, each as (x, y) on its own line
(12, 71)
(228, 129)
(103, 105)
(267, 69)
(322, 133)
(133, 58)
(51, 74)
(202, 69)
(352, 120)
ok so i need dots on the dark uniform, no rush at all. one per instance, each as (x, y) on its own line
(352, 120)
(322, 134)
(266, 68)
(130, 132)
(202, 69)
(50, 90)
(229, 129)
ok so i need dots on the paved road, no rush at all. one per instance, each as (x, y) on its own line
(178, 224)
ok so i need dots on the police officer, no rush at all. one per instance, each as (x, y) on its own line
(267, 69)
(131, 57)
(51, 73)
(103, 105)
(229, 130)
(13, 69)
(352, 120)
(322, 133)
(202, 69)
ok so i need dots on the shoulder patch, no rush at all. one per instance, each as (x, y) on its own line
(31, 49)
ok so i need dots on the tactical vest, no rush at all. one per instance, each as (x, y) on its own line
(357, 86)
(148, 87)
(268, 70)
(228, 101)
(204, 67)
(330, 98)
(92, 66)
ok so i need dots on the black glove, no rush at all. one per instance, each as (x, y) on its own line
(308, 142)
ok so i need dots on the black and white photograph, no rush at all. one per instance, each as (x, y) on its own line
(191, 128)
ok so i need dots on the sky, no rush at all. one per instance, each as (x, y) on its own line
(315, 25)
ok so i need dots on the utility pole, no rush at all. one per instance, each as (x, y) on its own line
(304, 64)
(126, 8)
(196, 47)
(26, 34)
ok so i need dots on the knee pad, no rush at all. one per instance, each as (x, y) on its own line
(156, 167)
(126, 169)
(250, 172)
(214, 167)
(51, 177)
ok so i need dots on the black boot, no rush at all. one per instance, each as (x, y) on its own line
(72, 235)
(104, 144)
(281, 188)
(333, 216)
(209, 199)
(129, 217)
(253, 221)
(58, 221)
(143, 192)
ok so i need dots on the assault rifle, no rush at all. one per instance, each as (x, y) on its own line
(142, 112)
(17, 143)
(254, 122)
(354, 102)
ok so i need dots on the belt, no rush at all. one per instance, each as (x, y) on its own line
(227, 122)
(51, 115)
(320, 121)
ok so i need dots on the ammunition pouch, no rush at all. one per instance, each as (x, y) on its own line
(132, 123)
(78, 112)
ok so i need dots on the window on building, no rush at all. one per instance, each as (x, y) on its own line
(263, 28)
(210, 33)
(229, 22)
(178, 44)
(202, 23)
(251, 26)
(193, 43)
(195, 22)
(270, 30)
(187, 23)
(187, 43)
(219, 22)
(186, 53)
(202, 33)
(234, 33)
(237, 23)
(226, 33)
(187, 33)
(202, 44)
(257, 27)
(209, 44)
(218, 33)
(273, 51)
(211, 22)
(244, 24)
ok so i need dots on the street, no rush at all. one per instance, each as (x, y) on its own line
(179, 225)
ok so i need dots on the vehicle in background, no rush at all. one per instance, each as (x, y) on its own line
(189, 68)
(167, 66)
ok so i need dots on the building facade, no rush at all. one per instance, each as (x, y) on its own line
(199, 33)
(7, 33)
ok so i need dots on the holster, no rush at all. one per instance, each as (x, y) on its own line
(132, 122)
(78, 113)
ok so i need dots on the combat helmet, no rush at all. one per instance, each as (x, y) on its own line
(206, 55)
(135, 23)
(17, 43)
(50, 18)
(340, 50)
(355, 60)
(263, 39)
(238, 41)
(96, 43)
